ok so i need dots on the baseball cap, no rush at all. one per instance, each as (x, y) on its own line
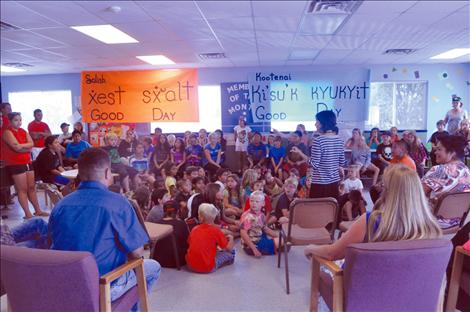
(63, 125)
(456, 98)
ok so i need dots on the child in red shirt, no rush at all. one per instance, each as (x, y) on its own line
(202, 255)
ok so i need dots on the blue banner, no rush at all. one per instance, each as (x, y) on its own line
(235, 103)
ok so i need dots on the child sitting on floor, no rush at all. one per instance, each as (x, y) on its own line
(281, 214)
(233, 197)
(158, 198)
(250, 176)
(170, 171)
(202, 255)
(257, 238)
(351, 200)
(267, 208)
(184, 187)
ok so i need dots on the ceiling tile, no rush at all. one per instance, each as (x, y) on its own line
(455, 22)
(274, 39)
(294, 9)
(239, 44)
(277, 23)
(377, 7)
(346, 42)
(64, 12)
(170, 10)
(12, 57)
(20, 16)
(426, 7)
(32, 39)
(365, 24)
(328, 55)
(298, 62)
(224, 9)
(379, 44)
(10, 45)
(311, 42)
(130, 12)
(188, 28)
(43, 55)
(233, 23)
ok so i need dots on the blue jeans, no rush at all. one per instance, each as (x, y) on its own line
(120, 286)
(223, 258)
(32, 234)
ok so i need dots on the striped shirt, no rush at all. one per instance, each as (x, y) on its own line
(327, 155)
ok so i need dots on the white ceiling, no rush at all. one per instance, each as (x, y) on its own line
(250, 33)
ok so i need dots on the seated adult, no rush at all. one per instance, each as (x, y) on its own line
(450, 175)
(47, 164)
(404, 197)
(127, 146)
(256, 150)
(32, 233)
(73, 150)
(104, 223)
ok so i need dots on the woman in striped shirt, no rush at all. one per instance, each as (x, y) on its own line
(327, 157)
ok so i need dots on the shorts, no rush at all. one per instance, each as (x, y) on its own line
(19, 169)
(265, 245)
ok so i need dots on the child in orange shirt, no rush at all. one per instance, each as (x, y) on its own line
(202, 255)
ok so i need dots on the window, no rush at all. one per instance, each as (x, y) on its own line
(209, 114)
(400, 104)
(56, 107)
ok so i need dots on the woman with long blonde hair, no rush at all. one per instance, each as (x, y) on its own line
(401, 213)
(361, 156)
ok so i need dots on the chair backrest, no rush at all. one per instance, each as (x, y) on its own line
(454, 205)
(395, 276)
(49, 280)
(313, 213)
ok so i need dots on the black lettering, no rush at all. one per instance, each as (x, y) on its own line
(101, 98)
(92, 97)
(147, 97)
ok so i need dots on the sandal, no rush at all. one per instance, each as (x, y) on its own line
(41, 214)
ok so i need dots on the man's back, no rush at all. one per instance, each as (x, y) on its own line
(96, 220)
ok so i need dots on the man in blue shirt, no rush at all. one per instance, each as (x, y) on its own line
(256, 150)
(104, 223)
(73, 149)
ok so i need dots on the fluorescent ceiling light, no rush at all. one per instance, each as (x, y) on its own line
(156, 59)
(105, 33)
(7, 69)
(451, 54)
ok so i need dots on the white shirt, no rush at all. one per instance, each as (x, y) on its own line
(351, 185)
(242, 137)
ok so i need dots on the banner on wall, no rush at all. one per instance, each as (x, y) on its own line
(297, 96)
(235, 103)
(167, 95)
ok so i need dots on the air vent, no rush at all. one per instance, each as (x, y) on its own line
(17, 65)
(5, 26)
(399, 51)
(211, 56)
(333, 7)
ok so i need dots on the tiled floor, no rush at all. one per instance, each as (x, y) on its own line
(249, 285)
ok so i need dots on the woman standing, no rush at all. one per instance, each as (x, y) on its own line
(327, 157)
(16, 146)
(455, 115)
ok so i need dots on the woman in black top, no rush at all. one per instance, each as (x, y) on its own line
(47, 165)
(127, 146)
(163, 250)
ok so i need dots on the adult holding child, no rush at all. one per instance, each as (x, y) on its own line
(327, 157)
(16, 152)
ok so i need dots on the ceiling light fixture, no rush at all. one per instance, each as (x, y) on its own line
(451, 54)
(156, 59)
(212, 56)
(105, 33)
(7, 69)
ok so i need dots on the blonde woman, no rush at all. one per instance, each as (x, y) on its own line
(401, 213)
